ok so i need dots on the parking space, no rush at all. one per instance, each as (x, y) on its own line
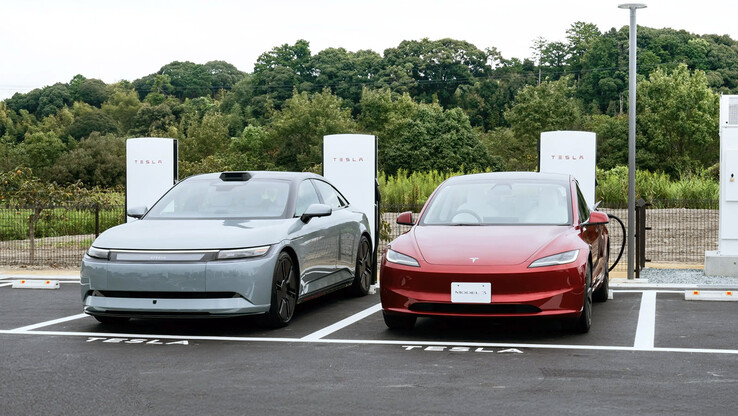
(634, 320)
(694, 324)
(647, 353)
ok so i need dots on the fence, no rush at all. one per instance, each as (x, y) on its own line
(62, 234)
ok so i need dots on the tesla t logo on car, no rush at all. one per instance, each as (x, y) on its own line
(473, 259)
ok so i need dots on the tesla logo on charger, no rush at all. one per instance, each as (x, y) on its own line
(567, 157)
(349, 159)
(148, 162)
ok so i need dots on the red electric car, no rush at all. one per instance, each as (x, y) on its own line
(509, 244)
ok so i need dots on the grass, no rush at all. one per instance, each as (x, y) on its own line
(55, 222)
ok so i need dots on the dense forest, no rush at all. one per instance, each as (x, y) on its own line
(442, 105)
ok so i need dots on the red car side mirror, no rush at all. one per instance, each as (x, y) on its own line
(597, 218)
(406, 218)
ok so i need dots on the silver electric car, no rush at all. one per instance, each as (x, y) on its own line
(230, 244)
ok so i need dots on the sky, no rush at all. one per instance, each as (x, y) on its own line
(43, 42)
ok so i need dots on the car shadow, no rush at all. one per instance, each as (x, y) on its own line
(309, 316)
(490, 330)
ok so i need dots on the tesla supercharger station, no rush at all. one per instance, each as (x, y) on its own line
(724, 261)
(350, 163)
(570, 152)
(151, 169)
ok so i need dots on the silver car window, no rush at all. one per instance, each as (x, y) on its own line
(217, 199)
(330, 196)
(306, 196)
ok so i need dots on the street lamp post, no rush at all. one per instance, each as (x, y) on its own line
(631, 133)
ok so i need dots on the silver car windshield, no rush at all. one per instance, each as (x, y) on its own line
(216, 199)
(491, 203)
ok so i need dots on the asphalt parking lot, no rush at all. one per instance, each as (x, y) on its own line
(649, 352)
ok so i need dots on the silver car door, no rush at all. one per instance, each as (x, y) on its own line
(314, 241)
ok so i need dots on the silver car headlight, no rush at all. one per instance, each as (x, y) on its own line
(399, 258)
(557, 259)
(242, 253)
(98, 253)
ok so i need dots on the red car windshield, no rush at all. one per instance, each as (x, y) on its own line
(497, 203)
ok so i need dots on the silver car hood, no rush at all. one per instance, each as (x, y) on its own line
(194, 234)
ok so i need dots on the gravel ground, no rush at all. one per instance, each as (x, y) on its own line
(686, 276)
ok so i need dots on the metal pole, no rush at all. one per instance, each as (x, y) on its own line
(631, 133)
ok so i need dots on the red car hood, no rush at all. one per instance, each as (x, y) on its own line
(483, 245)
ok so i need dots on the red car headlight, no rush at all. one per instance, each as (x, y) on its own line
(556, 260)
(399, 258)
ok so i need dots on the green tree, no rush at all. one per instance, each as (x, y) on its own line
(549, 106)
(53, 99)
(42, 150)
(346, 73)
(93, 92)
(278, 72)
(223, 75)
(252, 150)
(298, 129)
(122, 106)
(153, 121)
(612, 139)
(96, 161)
(206, 138)
(21, 189)
(677, 119)
(188, 79)
(434, 139)
(88, 122)
(433, 70)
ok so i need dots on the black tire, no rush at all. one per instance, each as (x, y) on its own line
(111, 320)
(582, 324)
(603, 292)
(284, 294)
(364, 267)
(399, 321)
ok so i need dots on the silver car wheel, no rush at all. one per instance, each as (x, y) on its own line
(284, 293)
(364, 268)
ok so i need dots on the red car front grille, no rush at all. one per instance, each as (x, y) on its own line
(474, 309)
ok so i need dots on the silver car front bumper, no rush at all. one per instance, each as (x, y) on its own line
(215, 288)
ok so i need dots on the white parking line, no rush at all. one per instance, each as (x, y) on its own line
(646, 329)
(679, 292)
(644, 338)
(376, 342)
(343, 323)
(48, 323)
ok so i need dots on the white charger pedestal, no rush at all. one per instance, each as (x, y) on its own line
(724, 261)
(573, 153)
(151, 169)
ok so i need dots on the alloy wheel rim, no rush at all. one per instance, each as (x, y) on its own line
(364, 267)
(286, 293)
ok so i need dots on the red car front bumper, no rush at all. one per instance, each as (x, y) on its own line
(516, 290)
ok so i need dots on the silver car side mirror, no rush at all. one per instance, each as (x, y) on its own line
(315, 210)
(137, 212)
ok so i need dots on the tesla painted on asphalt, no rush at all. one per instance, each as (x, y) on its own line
(228, 244)
(517, 244)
